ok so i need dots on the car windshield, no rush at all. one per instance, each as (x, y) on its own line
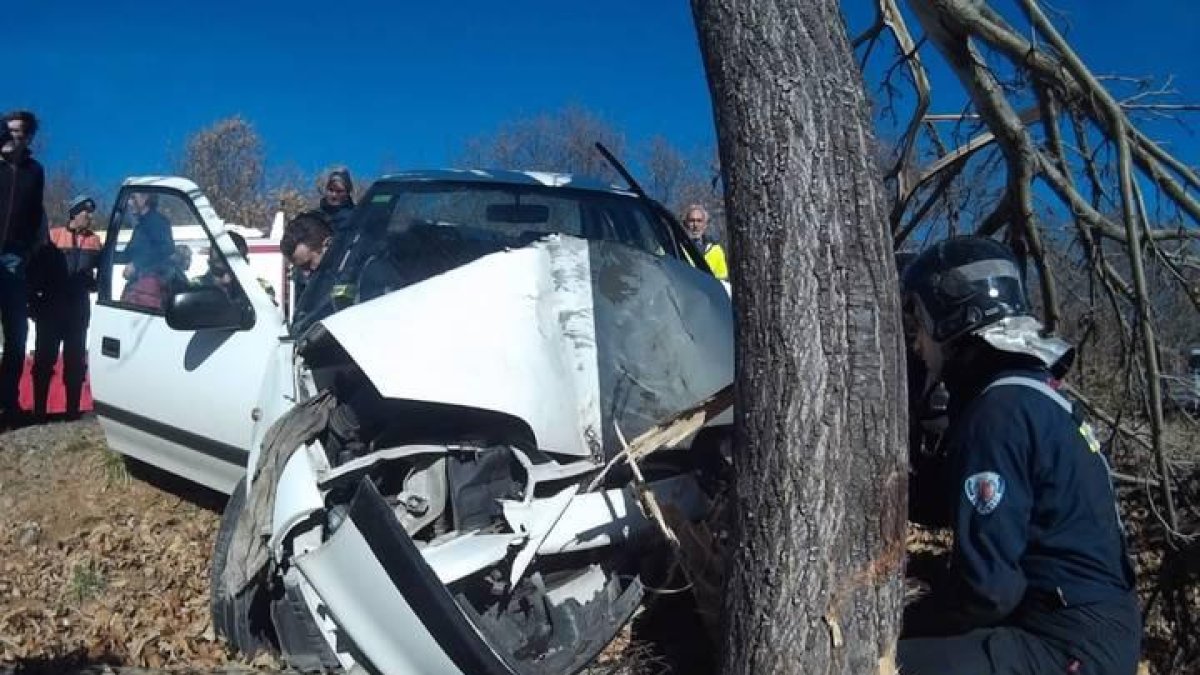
(512, 215)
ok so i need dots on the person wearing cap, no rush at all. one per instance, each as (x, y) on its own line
(695, 222)
(62, 276)
(22, 217)
(1039, 579)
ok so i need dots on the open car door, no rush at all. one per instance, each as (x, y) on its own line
(189, 401)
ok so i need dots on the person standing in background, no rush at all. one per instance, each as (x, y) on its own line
(337, 197)
(695, 222)
(61, 279)
(22, 214)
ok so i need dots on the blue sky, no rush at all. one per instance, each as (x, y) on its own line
(120, 85)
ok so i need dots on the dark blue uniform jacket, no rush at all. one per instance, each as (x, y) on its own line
(1032, 506)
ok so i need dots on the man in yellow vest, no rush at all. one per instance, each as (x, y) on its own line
(695, 221)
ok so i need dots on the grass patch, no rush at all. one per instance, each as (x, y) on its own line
(87, 581)
(79, 445)
(115, 470)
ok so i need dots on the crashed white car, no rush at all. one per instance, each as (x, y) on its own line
(432, 485)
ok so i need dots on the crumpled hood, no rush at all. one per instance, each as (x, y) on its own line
(566, 334)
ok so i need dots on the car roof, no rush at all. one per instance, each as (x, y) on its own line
(507, 177)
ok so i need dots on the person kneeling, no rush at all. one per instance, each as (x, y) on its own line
(1040, 580)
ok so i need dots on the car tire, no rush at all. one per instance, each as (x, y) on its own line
(243, 619)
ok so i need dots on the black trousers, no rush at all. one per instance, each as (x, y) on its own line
(14, 316)
(64, 324)
(1097, 639)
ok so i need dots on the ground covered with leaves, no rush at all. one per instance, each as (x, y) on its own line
(102, 568)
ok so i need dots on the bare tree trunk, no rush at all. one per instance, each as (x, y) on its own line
(814, 583)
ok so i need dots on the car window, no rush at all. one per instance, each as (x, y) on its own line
(162, 247)
(514, 215)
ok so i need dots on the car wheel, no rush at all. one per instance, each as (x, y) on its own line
(243, 619)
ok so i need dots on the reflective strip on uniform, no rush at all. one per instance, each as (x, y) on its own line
(1034, 384)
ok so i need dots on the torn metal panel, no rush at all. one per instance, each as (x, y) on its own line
(378, 588)
(599, 519)
(462, 556)
(566, 334)
(510, 332)
(665, 336)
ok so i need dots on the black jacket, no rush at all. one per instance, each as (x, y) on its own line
(339, 216)
(22, 184)
(65, 269)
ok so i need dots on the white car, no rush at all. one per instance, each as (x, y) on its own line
(427, 489)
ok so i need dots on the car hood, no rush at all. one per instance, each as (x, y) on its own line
(570, 336)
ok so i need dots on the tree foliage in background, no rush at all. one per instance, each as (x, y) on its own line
(227, 161)
(63, 183)
(564, 141)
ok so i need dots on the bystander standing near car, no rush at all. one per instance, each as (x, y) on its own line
(62, 276)
(695, 222)
(337, 197)
(304, 243)
(22, 184)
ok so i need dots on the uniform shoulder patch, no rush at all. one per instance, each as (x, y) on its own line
(984, 490)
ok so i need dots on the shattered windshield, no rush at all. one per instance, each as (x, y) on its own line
(513, 215)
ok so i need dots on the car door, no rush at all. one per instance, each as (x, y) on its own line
(190, 402)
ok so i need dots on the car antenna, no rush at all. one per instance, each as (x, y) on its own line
(676, 229)
(620, 168)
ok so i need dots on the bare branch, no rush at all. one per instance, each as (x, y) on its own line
(1148, 146)
(1079, 85)
(1173, 107)
(1117, 120)
(1089, 159)
(873, 32)
(908, 48)
(951, 117)
(1108, 276)
(944, 181)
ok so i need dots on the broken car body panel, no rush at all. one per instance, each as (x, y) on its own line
(567, 335)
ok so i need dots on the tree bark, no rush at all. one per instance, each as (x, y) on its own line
(815, 576)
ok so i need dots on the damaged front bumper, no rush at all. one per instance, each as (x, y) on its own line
(541, 591)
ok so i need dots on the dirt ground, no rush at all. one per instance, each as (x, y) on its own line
(101, 568)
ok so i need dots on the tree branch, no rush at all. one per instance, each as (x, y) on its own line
(1117, 120)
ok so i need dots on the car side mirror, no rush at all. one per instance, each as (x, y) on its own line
(205, 308)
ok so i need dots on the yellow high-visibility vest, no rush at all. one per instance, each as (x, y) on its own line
(714, 255)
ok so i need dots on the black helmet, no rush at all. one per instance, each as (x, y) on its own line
(962, 284)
